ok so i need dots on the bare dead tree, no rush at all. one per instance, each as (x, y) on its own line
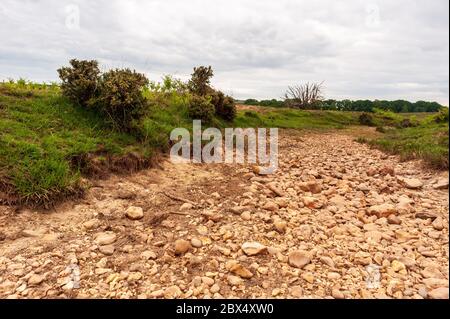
(304, 96)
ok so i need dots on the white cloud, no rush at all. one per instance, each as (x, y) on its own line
(361, 49)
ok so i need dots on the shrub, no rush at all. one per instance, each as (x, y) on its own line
(442, 116)
(201, 108)
(225, 107)
(366, 119)
(405, 123)
(80, 80)
(381, 129)
(120, 97)
(199, 83)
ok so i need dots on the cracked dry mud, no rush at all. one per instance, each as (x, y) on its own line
(334, 215)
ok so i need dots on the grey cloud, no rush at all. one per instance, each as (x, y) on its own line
(361, 49)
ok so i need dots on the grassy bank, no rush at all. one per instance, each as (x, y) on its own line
(47, 144)
(45, 141)
(428, 141)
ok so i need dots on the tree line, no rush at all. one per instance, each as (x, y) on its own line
(397, 106)
(309, 96)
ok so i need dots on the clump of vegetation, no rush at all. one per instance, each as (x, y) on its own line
(427, 142)
(117, 94)
(200, 81)
(366, 119)
(200, 85)
(121, 98)
(442, 116)
(225, 106)
(80, 81)
(201, 108)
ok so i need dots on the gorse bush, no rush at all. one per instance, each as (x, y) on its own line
(442, 116)
(366, 119)
(200, 108)
(116, 94)
(121, 97)
(225, 107)
(80, 81)
(199, 84)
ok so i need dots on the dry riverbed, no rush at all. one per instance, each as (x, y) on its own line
(337, 220)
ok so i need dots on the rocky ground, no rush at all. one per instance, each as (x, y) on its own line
(337, 220)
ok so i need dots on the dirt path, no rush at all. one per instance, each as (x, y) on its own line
(335, 216)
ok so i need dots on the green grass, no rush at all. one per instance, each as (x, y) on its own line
(428, 141)
(45, 140)
(40, 134)
(296, 119)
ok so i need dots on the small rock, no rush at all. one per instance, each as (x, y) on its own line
(196, 243)
(214, 288)
(271, 206)
(134, 213)
(309, 277)
(299, 259)
(311, 186)
(280, 226)
(387, 170)
(241, 271)
(411, 183)
(234, 280)
(185, 207)
(172, 292)
(337, 294)
(207, 281)
(90, 224)
(253, 248)
(148, 254)
(425, 215)
(327, 261)
(278, 191)
(246, 215)
(394, 220)
(441, 184)
(33, 232)
(398, 266)
(439, 293)
(438, 224)
(35, 280)
(105, 238)
(107, 250)
(238, 209)
(297, 292)
(181, 247)
(383, 210)
(311, 202)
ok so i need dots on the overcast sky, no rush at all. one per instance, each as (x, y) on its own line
(381, 49)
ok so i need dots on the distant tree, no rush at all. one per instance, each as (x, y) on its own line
(251, 102)
(304, 96)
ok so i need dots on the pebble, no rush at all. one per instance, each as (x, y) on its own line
(105, 238)
(134, 213)
(196, 243)
(182, 246)
(107, 250)
(299, 259)
(253, 248)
